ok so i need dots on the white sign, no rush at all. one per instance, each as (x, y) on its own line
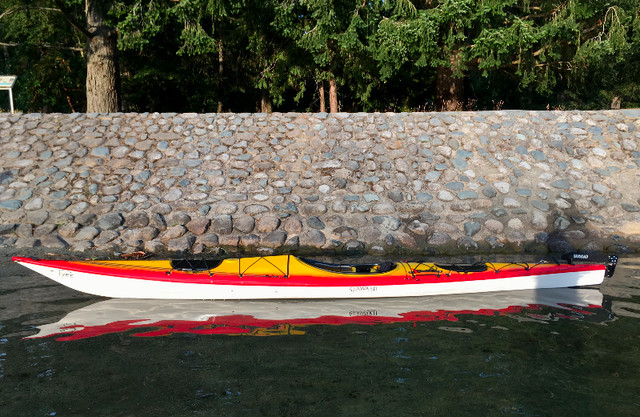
(6, 83)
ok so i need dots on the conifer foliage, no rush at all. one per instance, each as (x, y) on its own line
(320, 55)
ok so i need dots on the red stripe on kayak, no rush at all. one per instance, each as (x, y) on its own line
(204, 278)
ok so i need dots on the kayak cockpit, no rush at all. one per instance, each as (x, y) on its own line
(464, 268)
(370, 268)
(194, 264)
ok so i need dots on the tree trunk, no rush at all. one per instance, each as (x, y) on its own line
(616, 103)
(333, 96)
(265, 102)
(103, 94)
(323, 105)
(220, 74)
(449, 87)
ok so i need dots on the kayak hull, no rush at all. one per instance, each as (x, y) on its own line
(148, 280)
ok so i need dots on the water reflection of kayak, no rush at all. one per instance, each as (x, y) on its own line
(159, 318)
(292, 277)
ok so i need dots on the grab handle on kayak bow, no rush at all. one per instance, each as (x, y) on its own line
(611, 266)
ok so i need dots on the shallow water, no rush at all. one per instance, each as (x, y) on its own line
(537, 353)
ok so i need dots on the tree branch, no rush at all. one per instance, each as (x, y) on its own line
(536, 53)
(16, 9)
(42, 45)
(478, 60)
(67, 15)
(61, 9)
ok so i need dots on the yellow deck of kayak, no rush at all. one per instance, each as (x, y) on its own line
(281, 265)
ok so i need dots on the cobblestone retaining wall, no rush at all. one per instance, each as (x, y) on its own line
(335, 183)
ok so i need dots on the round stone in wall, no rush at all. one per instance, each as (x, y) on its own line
(267, 223)
(313, 238)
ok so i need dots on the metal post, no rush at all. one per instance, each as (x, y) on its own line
(11, 100)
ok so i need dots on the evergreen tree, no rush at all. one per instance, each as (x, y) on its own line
(377, 55)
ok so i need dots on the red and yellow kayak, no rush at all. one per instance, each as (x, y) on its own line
(292, 277)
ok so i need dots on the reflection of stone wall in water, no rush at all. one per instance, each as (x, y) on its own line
(372, 183)
(624, 289)
(625, 309)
